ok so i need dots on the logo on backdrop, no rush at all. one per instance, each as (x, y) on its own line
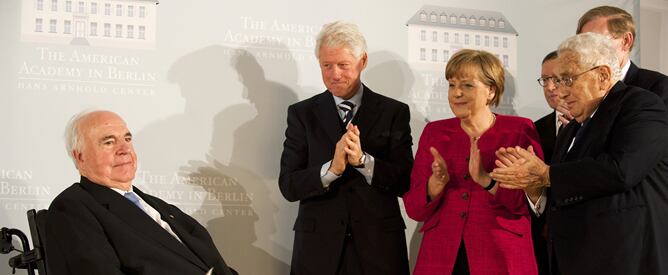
(272, 39)
(79, 45)
(435, 33)
(117, 24)
(18, 193)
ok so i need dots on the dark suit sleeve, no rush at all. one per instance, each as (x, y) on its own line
(298, 181)
(628, 155)
(76, 243)
(392, 172)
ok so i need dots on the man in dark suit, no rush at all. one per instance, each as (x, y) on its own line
(346, 158)
(548, 127)
(618, 24)
(105, 225)
(609, 176)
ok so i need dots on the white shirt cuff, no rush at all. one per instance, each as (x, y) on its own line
(539, 207)
(327, 177)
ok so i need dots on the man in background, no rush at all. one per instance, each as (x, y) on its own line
(548, 127)
(347, 158)
(618, 25)
(105, 225)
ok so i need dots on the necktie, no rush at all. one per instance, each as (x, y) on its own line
(347, 108)
(134, 199)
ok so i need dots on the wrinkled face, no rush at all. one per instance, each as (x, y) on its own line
(467, 95)
(550, 90)
(600, 26)
(583, 96)
(107, 156)
(341, 70)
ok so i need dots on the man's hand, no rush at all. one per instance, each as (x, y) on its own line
(439, 174)
(353, 145)
(566, 117)
(339, 161)
(521, 169)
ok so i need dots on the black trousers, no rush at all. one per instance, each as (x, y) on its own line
(462, 262)
(349, 262)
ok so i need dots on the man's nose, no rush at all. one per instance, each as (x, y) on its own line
(562, 92)
(336, 73)
(124, 148)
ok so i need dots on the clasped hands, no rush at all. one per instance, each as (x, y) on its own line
(519, 168)
(348, 150)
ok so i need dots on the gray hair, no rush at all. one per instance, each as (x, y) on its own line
(341, 33)
(73, 138)
(593, 49)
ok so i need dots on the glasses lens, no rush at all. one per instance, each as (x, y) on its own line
(568, 81)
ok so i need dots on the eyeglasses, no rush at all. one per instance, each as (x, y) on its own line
(544, 80)
(568, 81)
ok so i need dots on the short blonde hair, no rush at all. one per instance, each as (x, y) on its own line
(483, 65)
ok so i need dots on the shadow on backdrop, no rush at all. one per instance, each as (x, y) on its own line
(507, 104)
(177, 164)
(388, 74)
(240, 168)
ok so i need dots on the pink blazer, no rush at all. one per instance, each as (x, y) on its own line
(496, 229)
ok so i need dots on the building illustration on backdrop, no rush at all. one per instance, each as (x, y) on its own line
(435, 33)
(98, 23)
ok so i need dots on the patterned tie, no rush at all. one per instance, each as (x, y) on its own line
(347, 108)
(134, 199)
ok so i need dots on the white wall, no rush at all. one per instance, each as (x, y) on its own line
(653, 32)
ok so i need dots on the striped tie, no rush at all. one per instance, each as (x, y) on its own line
(347, 108)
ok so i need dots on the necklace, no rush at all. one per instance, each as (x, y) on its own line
(490, 126)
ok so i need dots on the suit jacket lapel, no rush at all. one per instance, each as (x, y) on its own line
(597, 122)
(563, 141)
(328, 117)
(139, 221)
(368, 113)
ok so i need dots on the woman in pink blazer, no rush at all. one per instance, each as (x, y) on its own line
(471, 226)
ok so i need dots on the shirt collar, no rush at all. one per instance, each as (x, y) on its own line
(119, 191)
(625, 70)
(356, 99)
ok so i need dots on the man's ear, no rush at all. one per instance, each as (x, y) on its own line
(364, 59)
(78, 157)
(627, 41)
(604, 73)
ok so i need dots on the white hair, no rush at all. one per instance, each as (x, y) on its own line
(74, 138)
(593, 50)
(341, 33)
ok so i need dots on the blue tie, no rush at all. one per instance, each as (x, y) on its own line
(347, 108)
(134, 199)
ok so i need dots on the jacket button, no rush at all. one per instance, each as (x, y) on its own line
(462, 215)
(465, 196)
(467, 176)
